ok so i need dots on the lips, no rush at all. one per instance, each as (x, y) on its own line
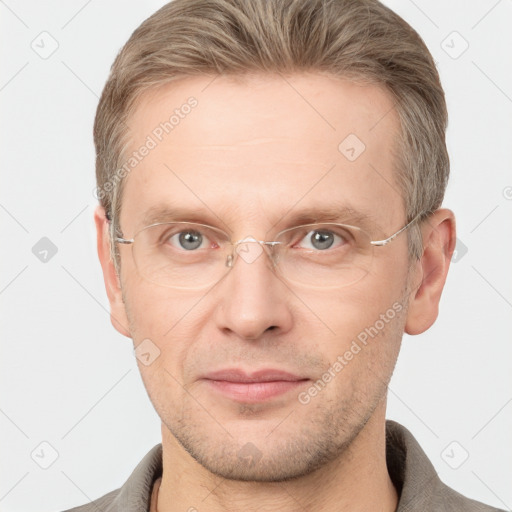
(253, 387)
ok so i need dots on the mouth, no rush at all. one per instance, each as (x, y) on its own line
(253, 387)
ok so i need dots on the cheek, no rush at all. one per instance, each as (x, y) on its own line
(366, 322)
(154, 311)
(364, 354)
(162, 326)
(351, 309)
(168, 322)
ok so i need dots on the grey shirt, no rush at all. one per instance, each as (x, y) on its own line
(416, 481)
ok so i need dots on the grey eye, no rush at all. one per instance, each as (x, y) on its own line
(189, 240)
(322, 239)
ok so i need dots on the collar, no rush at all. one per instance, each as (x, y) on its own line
(417, 483)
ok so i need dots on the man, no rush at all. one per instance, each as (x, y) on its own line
(270, 176)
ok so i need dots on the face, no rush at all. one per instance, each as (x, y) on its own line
(250, 157)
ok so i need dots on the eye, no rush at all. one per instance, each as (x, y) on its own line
(189, 240)
(322, 239)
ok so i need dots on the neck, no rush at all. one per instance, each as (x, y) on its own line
(357, 480)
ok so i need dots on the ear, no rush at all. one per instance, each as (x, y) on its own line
(112, 283)
(438, 234)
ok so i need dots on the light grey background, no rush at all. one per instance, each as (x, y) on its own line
(70, 380)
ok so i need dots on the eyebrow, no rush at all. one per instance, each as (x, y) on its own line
(164, 213)
(343, 214)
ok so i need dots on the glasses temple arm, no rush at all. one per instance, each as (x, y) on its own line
(380, 243)
(123, 240)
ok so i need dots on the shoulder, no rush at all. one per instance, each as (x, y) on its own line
(446, 499)
(135, 494)
(416, 479)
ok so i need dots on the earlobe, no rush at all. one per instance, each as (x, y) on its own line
(111, 279)
(432, 269)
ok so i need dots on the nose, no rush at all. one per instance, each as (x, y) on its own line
(253, 299)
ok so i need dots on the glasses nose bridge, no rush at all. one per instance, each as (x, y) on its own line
(250, 256)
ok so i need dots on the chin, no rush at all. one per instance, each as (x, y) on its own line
(283, 455)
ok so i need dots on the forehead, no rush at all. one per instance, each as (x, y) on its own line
(253, 148)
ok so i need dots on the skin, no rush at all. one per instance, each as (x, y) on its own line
(252, 154)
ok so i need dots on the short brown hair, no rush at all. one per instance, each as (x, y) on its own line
(359, 40)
